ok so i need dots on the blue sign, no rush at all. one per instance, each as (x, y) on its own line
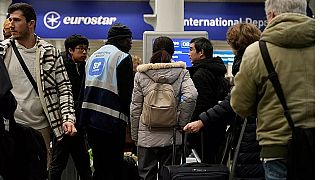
(217, 17)
(181, 50)
(60, 19)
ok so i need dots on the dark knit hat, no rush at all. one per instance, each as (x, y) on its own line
(119, 31)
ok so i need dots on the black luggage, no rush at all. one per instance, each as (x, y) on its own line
(194, 171)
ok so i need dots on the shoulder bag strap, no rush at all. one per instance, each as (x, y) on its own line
(24, 66)
(273, 76)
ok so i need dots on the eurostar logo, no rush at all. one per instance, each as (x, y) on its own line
(52, 20)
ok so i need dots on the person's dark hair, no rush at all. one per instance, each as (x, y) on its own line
(27, 10)
(75, 40)
(161, 56)
(163, 43)
(241, 35)
(204, 44)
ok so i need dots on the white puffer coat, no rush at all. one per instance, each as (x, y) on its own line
(174, 73)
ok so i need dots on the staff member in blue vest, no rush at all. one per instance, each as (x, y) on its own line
(106, 101)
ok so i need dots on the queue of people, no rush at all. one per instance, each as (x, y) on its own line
(103, 101)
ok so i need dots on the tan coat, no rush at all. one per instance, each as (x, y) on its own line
(175, 73)
(290, 42)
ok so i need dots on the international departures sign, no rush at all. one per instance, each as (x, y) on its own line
(60, 19)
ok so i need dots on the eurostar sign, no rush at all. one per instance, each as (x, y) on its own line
(53, 19)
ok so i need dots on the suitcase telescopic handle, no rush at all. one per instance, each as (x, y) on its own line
(184, 158)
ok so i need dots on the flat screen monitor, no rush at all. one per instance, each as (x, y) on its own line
(181, 44)
(226, 55)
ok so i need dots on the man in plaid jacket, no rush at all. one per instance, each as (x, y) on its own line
(49, 106)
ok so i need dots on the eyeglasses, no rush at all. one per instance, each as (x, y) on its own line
(82, 49)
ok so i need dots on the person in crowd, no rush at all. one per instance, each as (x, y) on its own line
(130, 144)
(49, 106)
(239, 37)
(76, 52)
(290, 39)
(106, 101)
(6, 29)
(207, 73)
(136, 60)
(155, 145)
(8, 105)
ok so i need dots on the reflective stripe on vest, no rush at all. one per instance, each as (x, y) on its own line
(105, 110)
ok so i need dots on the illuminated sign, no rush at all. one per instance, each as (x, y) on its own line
(60, 19)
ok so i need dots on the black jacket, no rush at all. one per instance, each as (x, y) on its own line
(8, 103)
(248, 164)
(76, 74)
(223, 111)
(208, 78)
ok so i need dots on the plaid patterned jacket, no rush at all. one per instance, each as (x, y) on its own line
(53, 84)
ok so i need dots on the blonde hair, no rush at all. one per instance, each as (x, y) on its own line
(6, 29)
(136, 61)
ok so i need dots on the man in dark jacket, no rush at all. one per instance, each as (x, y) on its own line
(207, 74)
(107, 96)
(239, 37)
(76, 51)
(8, 105)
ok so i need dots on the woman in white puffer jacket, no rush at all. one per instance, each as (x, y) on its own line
(155, 144)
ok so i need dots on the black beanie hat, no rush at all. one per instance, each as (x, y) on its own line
(119, 30)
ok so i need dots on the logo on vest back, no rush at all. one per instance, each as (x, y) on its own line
(96, 67)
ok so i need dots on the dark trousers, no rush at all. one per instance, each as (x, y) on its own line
(76, 146)
(107, 150)
(148, 159)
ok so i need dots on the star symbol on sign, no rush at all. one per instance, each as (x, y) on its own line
(51, 20)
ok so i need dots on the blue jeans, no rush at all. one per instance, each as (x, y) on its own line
(275, 169)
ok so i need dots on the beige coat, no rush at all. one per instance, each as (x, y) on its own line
(175, 73)
(290, 41)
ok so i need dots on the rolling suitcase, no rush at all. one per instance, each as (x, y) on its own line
(193, 171)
